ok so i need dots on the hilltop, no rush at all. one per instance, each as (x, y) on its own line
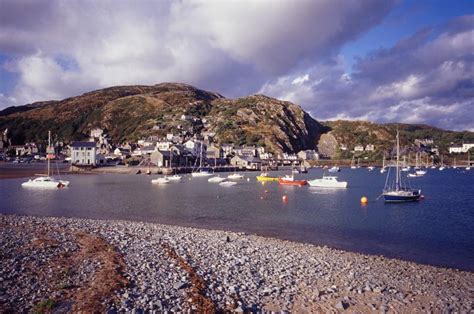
(129, 113)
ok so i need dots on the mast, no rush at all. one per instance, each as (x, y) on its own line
(200, 158)
(47, 151)
(397, 182)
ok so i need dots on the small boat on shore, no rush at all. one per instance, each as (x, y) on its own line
(290, 180)
(328, 182)
(265, 177)
(216, 179)
(334, 169)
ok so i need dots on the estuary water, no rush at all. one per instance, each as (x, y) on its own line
(437, 230)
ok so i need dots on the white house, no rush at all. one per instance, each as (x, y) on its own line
(359, 148)
(194, 147)
(164, 145)
(460, 149)
(83, 153)
(369, 147)
(308, 155)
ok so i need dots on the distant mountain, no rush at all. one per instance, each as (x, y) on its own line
(129, 113)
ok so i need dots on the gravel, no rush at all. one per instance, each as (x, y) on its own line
(246, 274)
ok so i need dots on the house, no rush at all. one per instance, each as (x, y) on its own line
(214, 151)
(343, 147)
(246, 151)
(460, 149)
(162, 158)
(83, 153)
(186, 117)
(147, 150)
(96, 132)
(246, 162)
(122, 152)
(369, 147)
(27, 149)
(164, 145)
(194, 147)
(359, 148)
(227, 149)
(308, 155)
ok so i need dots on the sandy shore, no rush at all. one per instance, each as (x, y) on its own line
(83, 265)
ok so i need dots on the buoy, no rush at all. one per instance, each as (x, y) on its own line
(261, 197)
(248, 179)
(284, 198)
(364, 200)
(266, 191)
(422, 196)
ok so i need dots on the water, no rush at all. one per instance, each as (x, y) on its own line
(436, 230)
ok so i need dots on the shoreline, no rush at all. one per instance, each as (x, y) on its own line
(183, 268)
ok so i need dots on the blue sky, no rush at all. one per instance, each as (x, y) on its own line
(386, 61)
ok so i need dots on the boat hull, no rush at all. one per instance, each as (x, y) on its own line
(266, 179)
(403, 196)
(295, 182)
(333, 185)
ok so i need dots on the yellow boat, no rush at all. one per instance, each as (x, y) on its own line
(263, 177)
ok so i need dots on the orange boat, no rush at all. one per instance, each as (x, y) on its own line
(290, 180)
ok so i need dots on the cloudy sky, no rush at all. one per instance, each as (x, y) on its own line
(385, 61)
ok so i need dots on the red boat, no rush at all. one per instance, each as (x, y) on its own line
(287, 180)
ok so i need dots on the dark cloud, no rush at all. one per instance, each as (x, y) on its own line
(426, 78)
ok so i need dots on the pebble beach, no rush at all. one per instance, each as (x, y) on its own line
(68, 264)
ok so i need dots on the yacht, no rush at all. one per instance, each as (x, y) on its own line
(162, 180)
(216, 179)
(328, 182)
(334, 169)
(46, 182)
(228, 183)
(235, 176)
(395, 190)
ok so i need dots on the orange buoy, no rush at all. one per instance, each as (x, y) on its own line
(284, 198)
(364, 200)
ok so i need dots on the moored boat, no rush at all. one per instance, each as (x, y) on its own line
(334, 169)
(395, 191)
(290, 180)
(265, 177)
(173, 178)
(216, 179)
(328, 182)
(235, 176)
(162, 180)
(228, 183)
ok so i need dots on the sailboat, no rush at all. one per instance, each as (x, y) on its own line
(405, 167)
(442, 167)
(353, 166)
(468, 167)
(383, 170)
(418, 172)
(454, 165)
(396, 191)
(174, 177)
(202, 172)
(46, 182)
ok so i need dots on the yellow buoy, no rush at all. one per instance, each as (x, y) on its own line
(364, 200)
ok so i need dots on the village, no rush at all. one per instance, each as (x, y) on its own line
(185, 154)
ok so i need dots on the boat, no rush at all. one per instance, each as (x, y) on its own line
(353, 166)
(228, 183)
(235, 176)
(202, 172)
(174, 177)
(396, 191)
(454, 165)
(162, 180)
(47, 181)
(370, 168)
(334, 169)
(442, 167)
(216, 179)
(265, 177)
(383, 170)
(328, 182)
(468, 167)
(290, 180)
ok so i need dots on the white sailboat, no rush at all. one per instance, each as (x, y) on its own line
(454, 165)
(405, 166)
(442, 167)
(235, 176)
(162, 180)
(216, 179)
(383, 170)
(201, 172)
(46, 182)
(174, 177)
(468, 167)
(353, 166)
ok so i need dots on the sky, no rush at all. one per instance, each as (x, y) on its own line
(377, 60)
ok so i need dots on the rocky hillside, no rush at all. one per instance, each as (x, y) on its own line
(132, 112)
(352, 133)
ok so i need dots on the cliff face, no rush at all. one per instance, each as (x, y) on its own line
(133, 112)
